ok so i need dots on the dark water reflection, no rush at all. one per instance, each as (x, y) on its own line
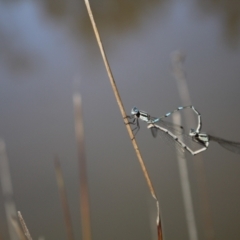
(230, 14)
(45, 47)
(118, 15)
(121, 15)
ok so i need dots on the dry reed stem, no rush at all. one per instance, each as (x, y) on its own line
(17, 229)
(181, 158)
(181, 80)
(63, 197)
(83, 191)
(24, 226)
(121, 107)
(7, 190)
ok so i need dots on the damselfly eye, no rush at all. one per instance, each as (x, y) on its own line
(134, 111)
(192, 132)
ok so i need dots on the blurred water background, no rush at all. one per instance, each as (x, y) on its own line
(48, 50)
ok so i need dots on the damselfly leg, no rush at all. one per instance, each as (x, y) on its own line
(133, 121)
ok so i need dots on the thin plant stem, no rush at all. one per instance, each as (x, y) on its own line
(182, 86)
(83, 184)
(17, 229)
(122, 110)
(7, 190)
(182, 165)
(24, 226)
(63, 197)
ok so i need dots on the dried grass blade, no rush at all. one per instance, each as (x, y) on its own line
(120, 105)
(64, 200)
(83, 191)
(17, 228)
(24, 226)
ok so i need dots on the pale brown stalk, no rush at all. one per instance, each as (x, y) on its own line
(83, 191)
(64, 200)
(122, 110)
(7, 190)
(24, 226)
(17, 229)
(181, 80)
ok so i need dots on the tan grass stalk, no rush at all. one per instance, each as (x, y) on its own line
(7, 190)
(24, 226)
(181, 81)
(120, 105)
(83, 191)
(64, 200)
(181, 158)
(17, 229)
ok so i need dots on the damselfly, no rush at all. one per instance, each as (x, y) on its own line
(196, 135)
(167, 127)
(137, 114)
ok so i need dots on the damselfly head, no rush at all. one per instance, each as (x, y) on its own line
(192, 132)
(135, 111)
